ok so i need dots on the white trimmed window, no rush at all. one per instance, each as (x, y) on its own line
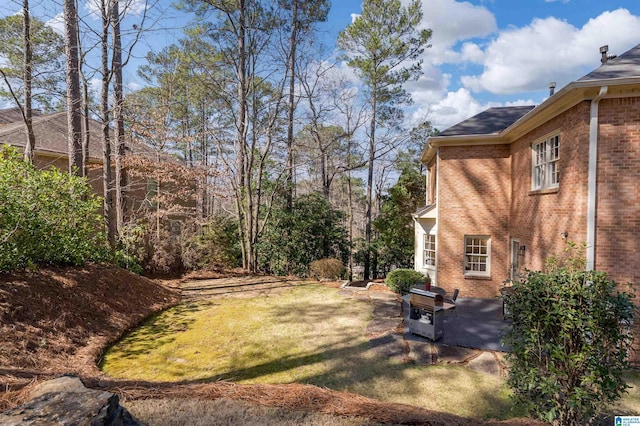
(429, 250)
(544, 169)
(477, 255)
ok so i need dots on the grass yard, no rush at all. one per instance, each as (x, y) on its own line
(309, 334)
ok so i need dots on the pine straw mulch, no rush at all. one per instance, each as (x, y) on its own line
(296, 397)
(60, 320)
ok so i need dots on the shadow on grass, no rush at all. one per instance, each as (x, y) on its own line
(349, 361)
(222, 287)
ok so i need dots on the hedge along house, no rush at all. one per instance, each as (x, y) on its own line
(507, 188)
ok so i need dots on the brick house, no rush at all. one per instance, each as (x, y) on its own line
(51, 150)
(510, 186)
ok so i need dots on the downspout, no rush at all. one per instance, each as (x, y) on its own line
(592, 189)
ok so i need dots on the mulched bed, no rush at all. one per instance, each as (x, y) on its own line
(60, 320)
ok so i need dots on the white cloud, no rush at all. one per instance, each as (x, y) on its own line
(454, 107)
(432, 84)
(519, 102)
(95, 85)
(515, 59)
(94, 8)
(528, 58)
(130, 7)
(133, 7)
(134, 86)
(57, 23)
(453, 21)
(471, 52)
(449, 110)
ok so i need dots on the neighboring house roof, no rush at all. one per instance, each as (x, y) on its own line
(491, 121)
(51, 135)
(13, 115)
(626, 65)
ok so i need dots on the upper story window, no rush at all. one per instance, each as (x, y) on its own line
(429, 250)
(477, 255)
(545, 170)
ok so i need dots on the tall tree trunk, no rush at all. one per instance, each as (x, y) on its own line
(204, 163)
(350, 211)
(74, 99)
(116, 64)
(291, 105)
(28, 71)
(368, 218)
(86, 134)
(324, 167)
(241, 137)
(109, 221)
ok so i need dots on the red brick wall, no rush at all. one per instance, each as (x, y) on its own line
(538, 218)
(618, 208)
(473, 199)
(486, 190)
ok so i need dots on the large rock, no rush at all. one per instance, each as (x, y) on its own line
(66, 401)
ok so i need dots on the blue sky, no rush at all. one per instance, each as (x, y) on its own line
(502, 52)
(484, 52)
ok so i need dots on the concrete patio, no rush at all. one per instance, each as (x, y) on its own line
(471, 334)
(474, 324)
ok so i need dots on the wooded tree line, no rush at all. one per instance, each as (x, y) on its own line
(298, 152)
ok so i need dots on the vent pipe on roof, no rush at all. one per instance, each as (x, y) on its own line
(603, 54)
(552, 88)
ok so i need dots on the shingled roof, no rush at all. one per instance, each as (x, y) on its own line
(13, 115)
(491, 121)
(51, 134)
(624, 66)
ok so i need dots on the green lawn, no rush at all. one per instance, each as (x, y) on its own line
(309, 334)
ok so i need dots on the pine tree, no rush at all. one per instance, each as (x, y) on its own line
(383, 45)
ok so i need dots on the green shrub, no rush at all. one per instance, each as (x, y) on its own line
(401, 280)
(127, 261)
(214, 245)
(156, 249)
(46, 216)
(293, 239)
(569, 342)
(332, 269)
